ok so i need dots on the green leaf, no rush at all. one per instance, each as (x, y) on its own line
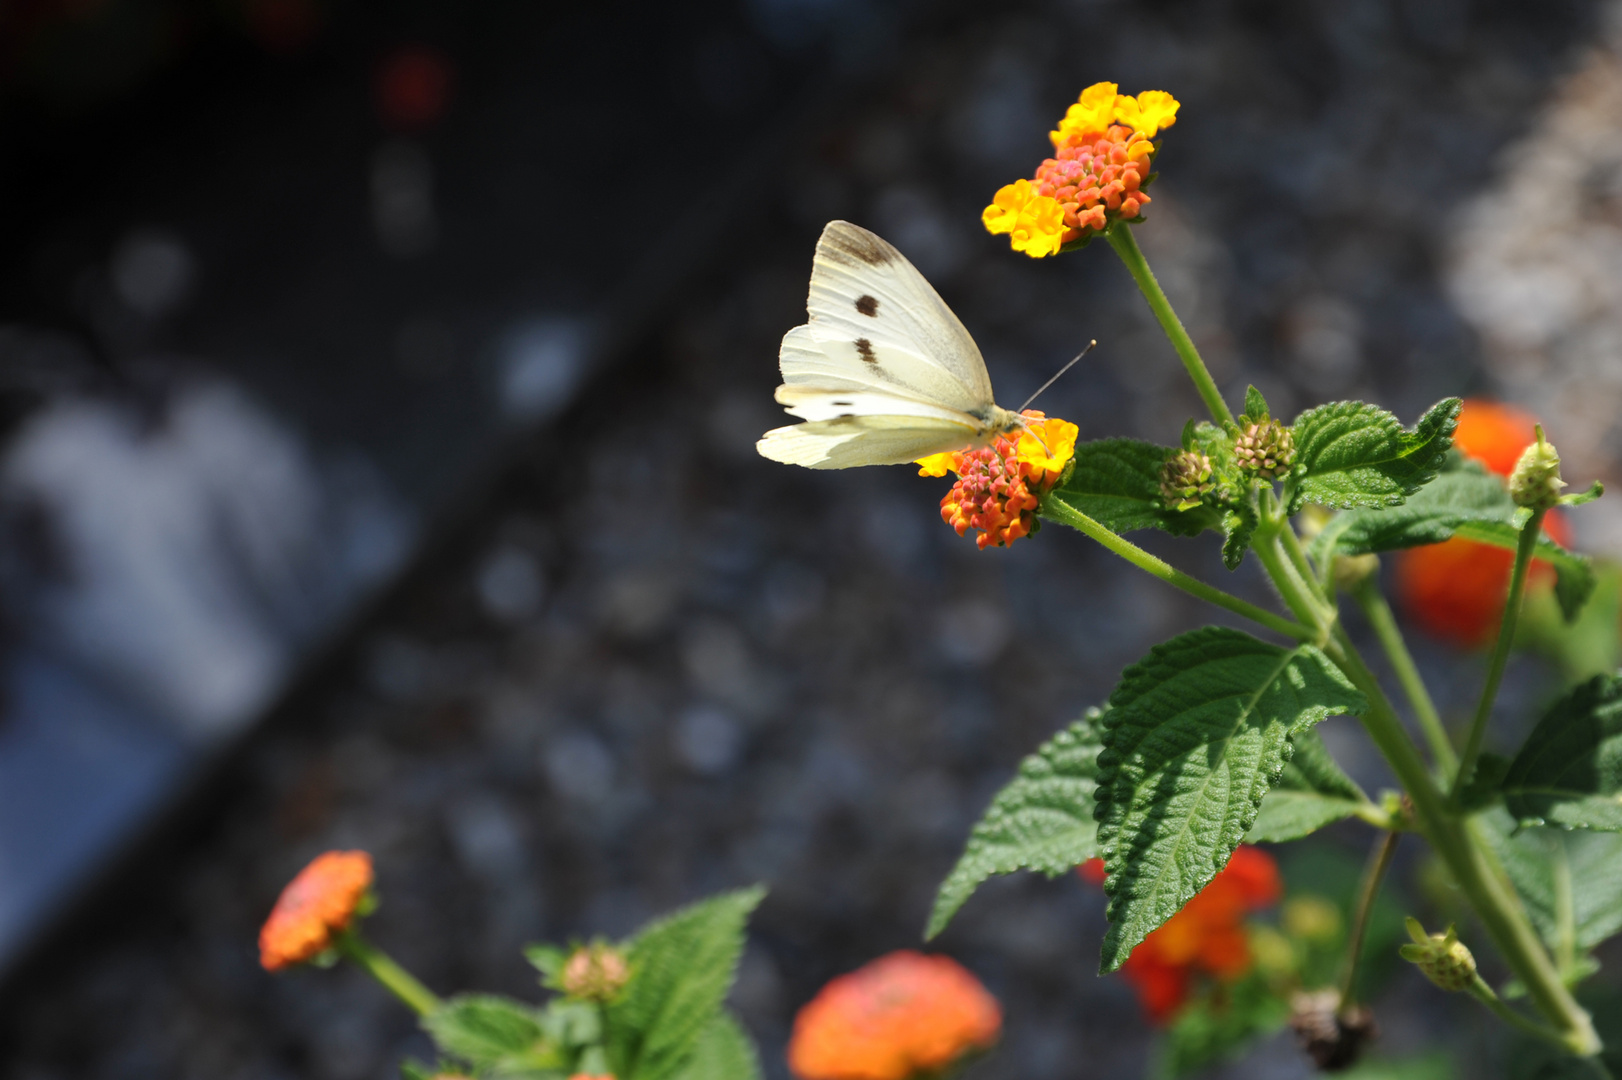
(1255, 407)
(1042, 820)
(1486, 782)
(723, 1052)
(1116, 482)
(1565, 879)
(681, 969)
(1569, 772)
(484, 1029)
(1351, 454)
(1239, 521)
(1310, 793)
(1468, 501)
(1195, 735)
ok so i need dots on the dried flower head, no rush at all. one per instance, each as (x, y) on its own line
(1000, 486)
(1333, 1037)
(595, 972)
(317, 904)
(1186, 479)
(1100, 164)
(901, 1015)
(1265, 449)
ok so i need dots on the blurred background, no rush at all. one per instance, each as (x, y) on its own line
(378, 393)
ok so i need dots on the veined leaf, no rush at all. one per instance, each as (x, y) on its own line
(1238, 523)
(484, 1029)
(1195, 735)
(1467, 501)
(1351, 453)
(1042, 820)
(681, 969)
(1255, 407)
(1569, 772)
(1116, 482)
(1565, 878)
(723, 1052)
(1310, 793)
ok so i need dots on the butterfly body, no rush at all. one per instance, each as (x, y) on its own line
(883, 372)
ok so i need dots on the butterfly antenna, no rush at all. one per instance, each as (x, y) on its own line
(1056, 375)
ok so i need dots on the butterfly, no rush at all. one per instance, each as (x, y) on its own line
(883, 373)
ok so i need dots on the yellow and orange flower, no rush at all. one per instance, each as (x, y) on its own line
(999, 487)
(1101, 154)
(1208, 937)
(317, 904)
(1455, 590)
(900, 1016)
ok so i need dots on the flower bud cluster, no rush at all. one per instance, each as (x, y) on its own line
(1443, 958)
(595, 972)
(1186, 479)
(1265, 449)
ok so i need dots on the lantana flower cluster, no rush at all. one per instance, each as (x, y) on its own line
(903, 1015)
(315, 906)
(1100, 164)
(1209, 938)
(1455, 590)
(999, 487)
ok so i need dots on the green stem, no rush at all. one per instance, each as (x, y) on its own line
(1379, 862)
(1500, 650)
(1303, 565)
(1057, 509)
(1297, 595)
(1484, 994)
(1120, 238)
(394, 978)
(1384, 624)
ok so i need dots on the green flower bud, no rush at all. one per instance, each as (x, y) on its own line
(1442, 957)
(1265, 450)
(1186, 479)
(1536, 482)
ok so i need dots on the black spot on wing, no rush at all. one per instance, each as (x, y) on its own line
(869, 306)
(865, 347)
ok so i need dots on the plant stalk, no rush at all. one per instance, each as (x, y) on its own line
(1057, 509)
(396, 979)
(1121, 239)
(1373, 875)
(1378, 612)
(1500, 651)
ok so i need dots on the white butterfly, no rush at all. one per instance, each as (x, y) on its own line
(883, 373)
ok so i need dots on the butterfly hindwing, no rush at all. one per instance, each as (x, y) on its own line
(862, 440)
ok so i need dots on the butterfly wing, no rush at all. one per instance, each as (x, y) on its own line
(876, 318)
(883, 373)
(848, 441)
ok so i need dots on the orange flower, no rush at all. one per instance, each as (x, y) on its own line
(901, 1015)
(1455, 590)
(1207, 937)
(1101, 154)
(999, 486)
(316, 904)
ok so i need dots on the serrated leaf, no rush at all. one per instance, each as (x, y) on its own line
(1238, 524)
(1351, 454)
(1566, 879)
(1486, 782)
(1194, 736)
(1116, 482)
(681, 969)
(723, 1052)
(484, 1029)
(1310, 793)
(1042, 820)
(1569, 772)
(1467, 501)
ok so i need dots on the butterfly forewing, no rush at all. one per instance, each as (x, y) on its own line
(872, 311)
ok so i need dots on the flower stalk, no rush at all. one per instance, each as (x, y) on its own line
(380, 966)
